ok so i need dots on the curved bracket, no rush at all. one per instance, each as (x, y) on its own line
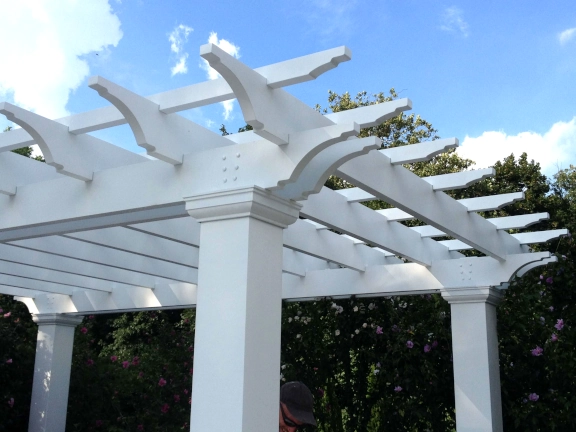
(77, 156)
(317, 170)
(167, 137)
(371, 115)
(273, 113)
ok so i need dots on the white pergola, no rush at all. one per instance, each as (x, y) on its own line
(232, 225)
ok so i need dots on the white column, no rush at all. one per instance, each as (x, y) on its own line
(238, 318)
(52, 372)
(476, 361)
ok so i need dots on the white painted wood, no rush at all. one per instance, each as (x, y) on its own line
(16, 170)
(459, 180)
(18, 292)
(318, 169)
(492, 202)
(540, 236)
(475, 359)
(88, 252)
(303, 237)
(280, 74)
(518, 222)
(139, 243)
(398, 279)
(273, 113)
(398, 186)
(79, 267)
(508, 222)
(523, 239)
(71, 155)
(418, 152)
(60, 278)
(360, 222)
(52, 372)
(371, 115)
(167, 137)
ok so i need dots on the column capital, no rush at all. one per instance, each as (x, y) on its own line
(488, 295)
(252, 202)
(57, 319)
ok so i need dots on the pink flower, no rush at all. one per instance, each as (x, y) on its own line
(165, 408)
(11, 402)
(410, 344)
(125, 364)
(113, 358)
(434, 344)
(136, 360)
(536, 352)
(1, 310)
(549, 280)
(162, 382)
(176, 398)
(7, 314)
(559, 324)
(185, 391)
(533, 397)
(551, 308)
(140, 427)
(140, 374)
(91, 317)
(9, 361)
(379, 330)
(99, 423)
(90, 362)
(554, 338)
(397, 389)
(427, 348)
(84, 330)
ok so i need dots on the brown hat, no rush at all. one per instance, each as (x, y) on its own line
(298, 399)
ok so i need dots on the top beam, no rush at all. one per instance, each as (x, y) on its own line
(277, 75)
(404, 189)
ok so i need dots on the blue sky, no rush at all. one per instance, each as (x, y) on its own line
(500, 76)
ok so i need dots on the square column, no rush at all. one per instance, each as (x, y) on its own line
(475, 356)
(52, 372)
(238, 319)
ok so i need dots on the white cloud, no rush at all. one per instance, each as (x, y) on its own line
(40, 62)
(231, 49)
(330, 17)
(566, 35)
(453, 21)
(555, 149)
(178, 39)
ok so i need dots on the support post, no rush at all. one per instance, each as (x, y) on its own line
(475, 356)
(52, 372)
(236, 384)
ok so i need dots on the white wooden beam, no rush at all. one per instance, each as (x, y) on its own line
(502, 223)
(396, 279)
(78, 267)
(167, 137)
(273, 113)
(280, 74)
(398, 186)
(333, 210)
(71, 155)
(418, 152)
(371, 115)
(459, 180)
(62, 278)
(81, 250)
(16, 170)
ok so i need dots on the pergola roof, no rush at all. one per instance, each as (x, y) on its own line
(99, 229)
